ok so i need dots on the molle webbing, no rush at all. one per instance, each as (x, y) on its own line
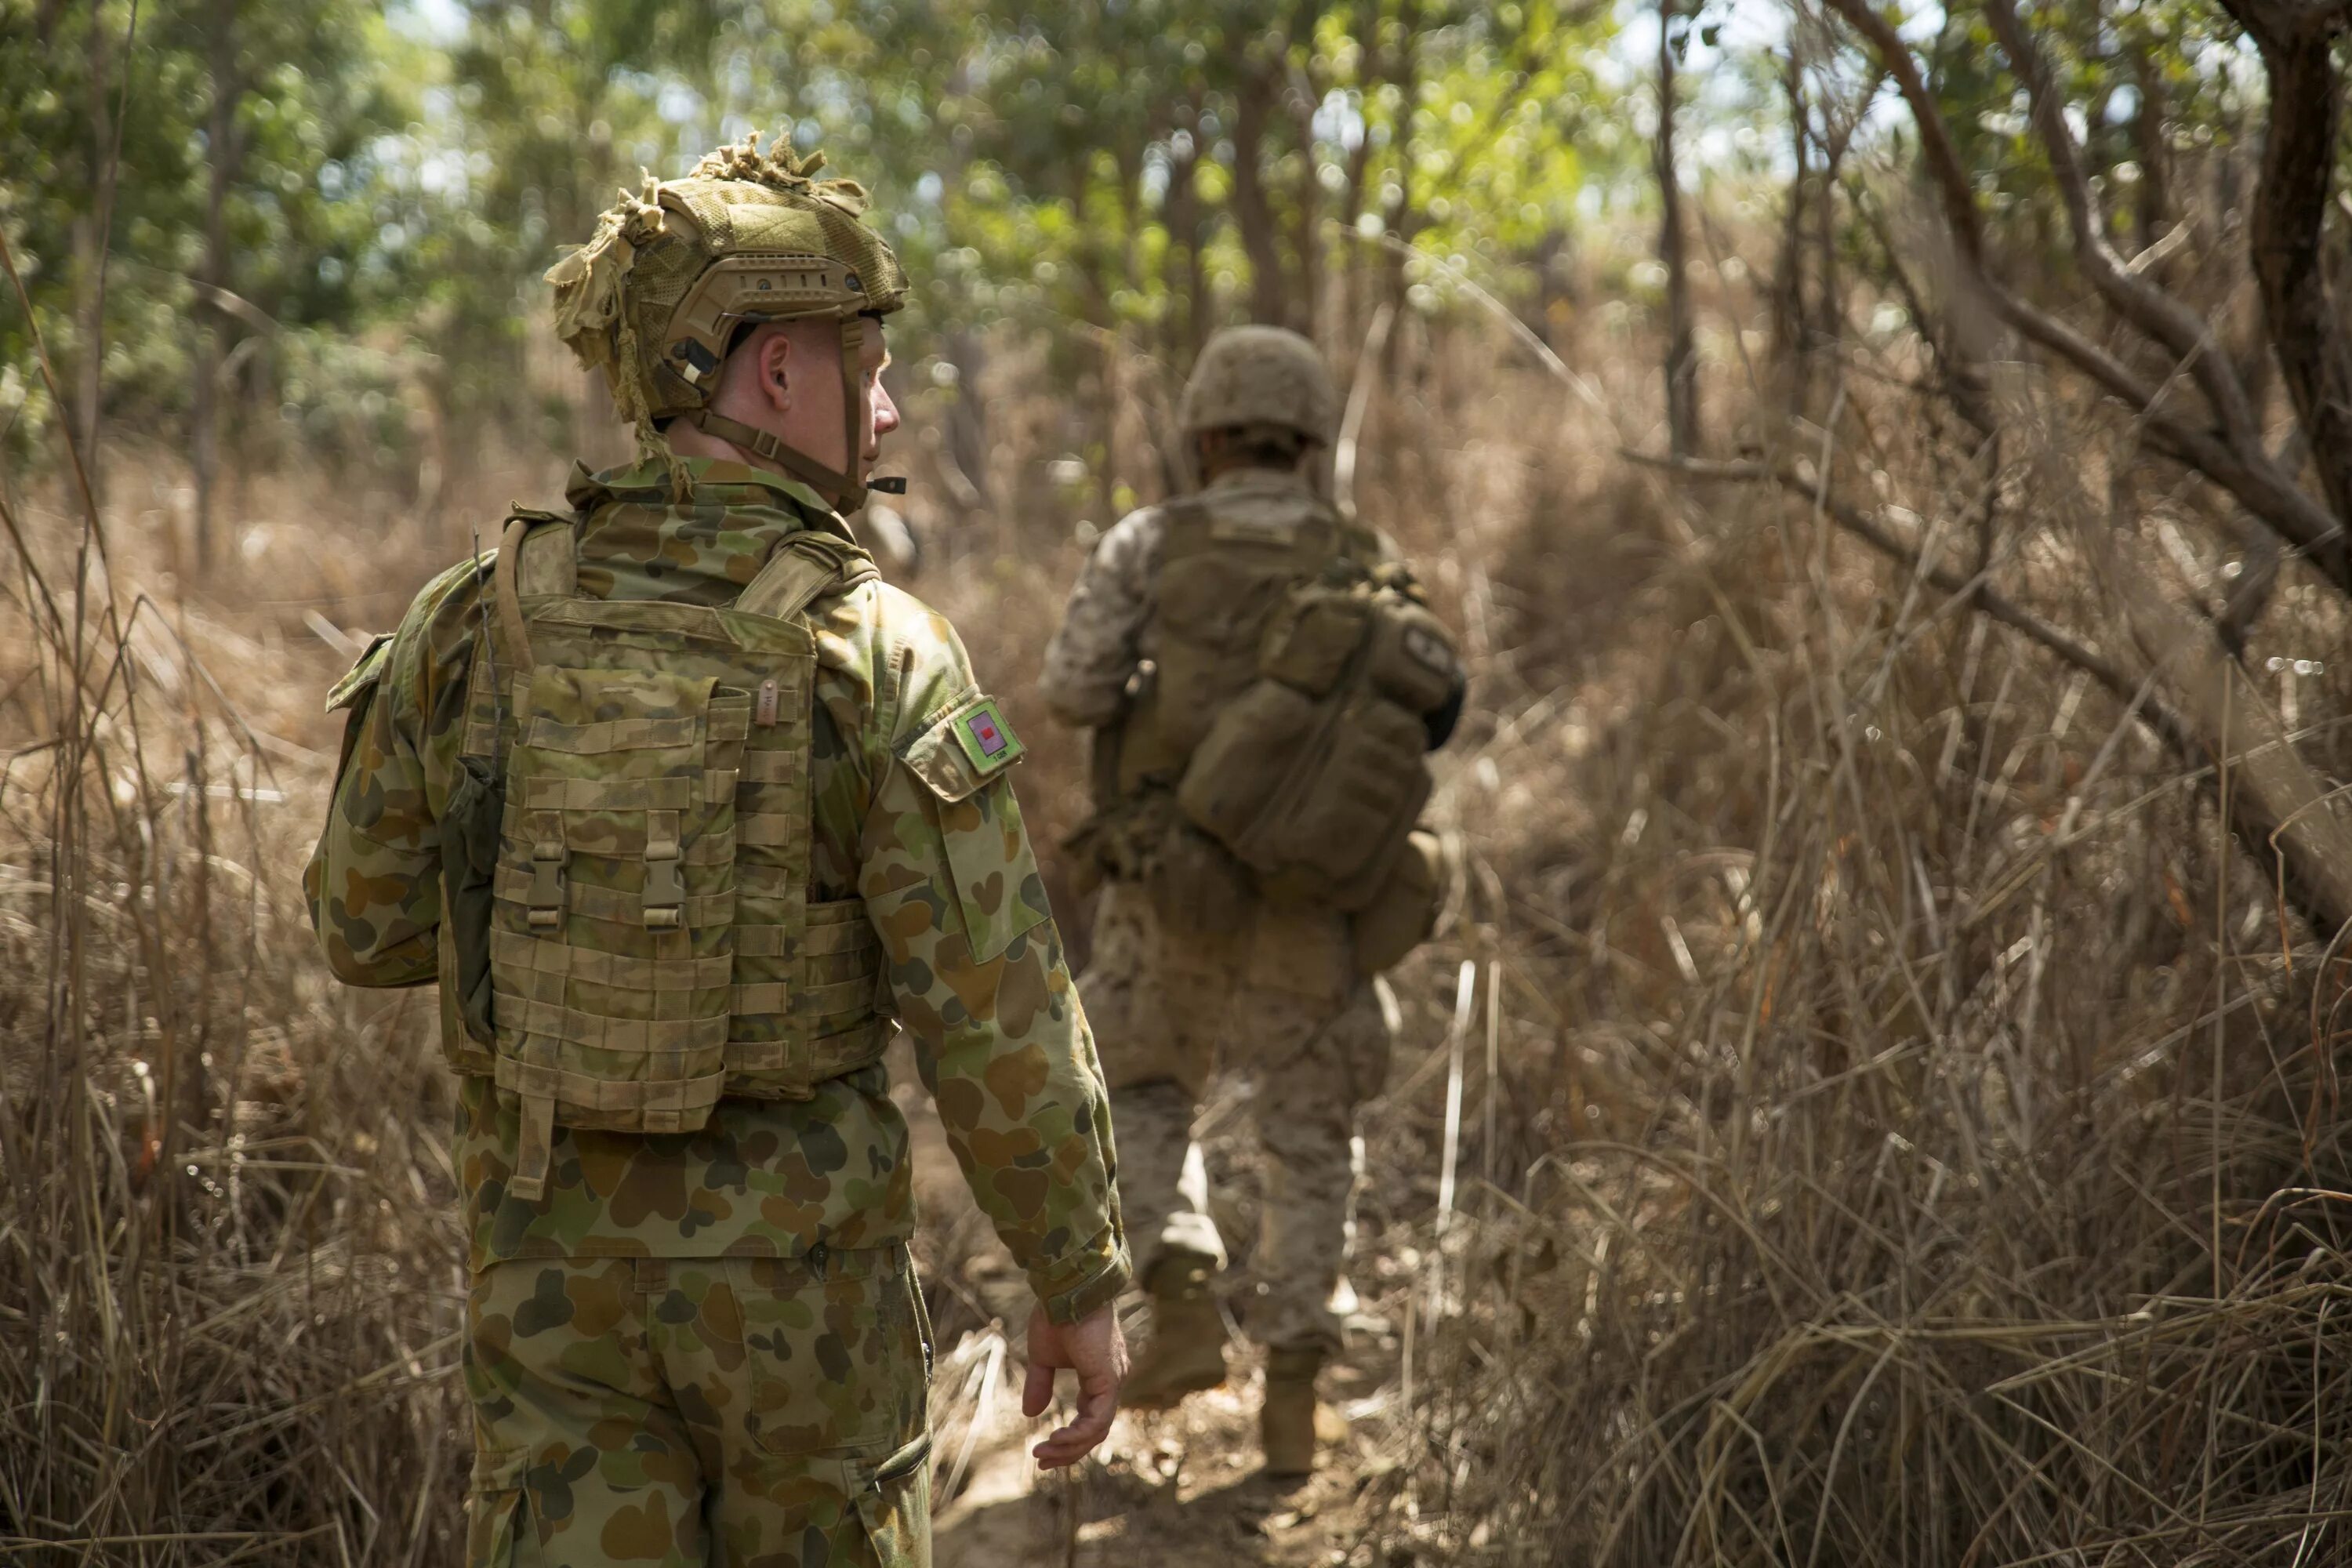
(652, 942)
(1223, 573)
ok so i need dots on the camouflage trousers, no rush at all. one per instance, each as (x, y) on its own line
(1279, 1001)
(750, 1412)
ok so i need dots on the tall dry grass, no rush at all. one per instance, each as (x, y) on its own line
(228, 1288)
(1916, 1132)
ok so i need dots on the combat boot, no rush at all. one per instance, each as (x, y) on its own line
(1186, 1351)
(1287, 1420)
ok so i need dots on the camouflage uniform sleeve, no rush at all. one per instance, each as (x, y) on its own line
(373, 882)
(1099, 641)
(978, 973)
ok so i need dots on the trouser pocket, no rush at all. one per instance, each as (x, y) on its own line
(896, 1507)
(494, 1510)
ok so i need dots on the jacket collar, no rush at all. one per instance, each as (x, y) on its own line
(709, 480)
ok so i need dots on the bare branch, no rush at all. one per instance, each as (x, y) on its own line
(2240, 466)
(2279, 806)
(2134, 297)
(1882, 539)
(2306, 328)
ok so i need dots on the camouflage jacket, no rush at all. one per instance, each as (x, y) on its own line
(1110, 626)
(975, 962)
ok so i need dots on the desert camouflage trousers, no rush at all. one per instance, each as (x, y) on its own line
(1279, 1001)
(706, 1412)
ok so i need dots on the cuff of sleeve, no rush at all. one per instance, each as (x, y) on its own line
(1098, 1288)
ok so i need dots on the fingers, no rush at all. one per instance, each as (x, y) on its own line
(1059, 1453)
(1037, 1392)
(1098, 1405)
(1097, 1352)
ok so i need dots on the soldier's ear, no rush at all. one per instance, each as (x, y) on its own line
(775, 383)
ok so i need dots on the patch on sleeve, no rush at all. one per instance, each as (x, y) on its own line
(361, 679)
(964, 748)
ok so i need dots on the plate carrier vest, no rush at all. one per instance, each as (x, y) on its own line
(650, 942)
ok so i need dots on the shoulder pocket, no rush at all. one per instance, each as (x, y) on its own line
(352, 691)
(964, 748)
(962, 758)
(352, 694)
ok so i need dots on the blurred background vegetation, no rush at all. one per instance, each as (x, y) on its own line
(249, 225)
(1889, 463)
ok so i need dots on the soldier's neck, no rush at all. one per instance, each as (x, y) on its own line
(1225, 473)
(687, 441)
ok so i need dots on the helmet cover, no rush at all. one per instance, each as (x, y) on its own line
(1260, 375)
(655, 297)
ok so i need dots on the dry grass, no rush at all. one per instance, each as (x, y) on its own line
(1919, 1136)
(227, 1287)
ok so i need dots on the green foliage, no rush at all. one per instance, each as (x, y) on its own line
(1127, 173)
(312, 89)
(397, 181)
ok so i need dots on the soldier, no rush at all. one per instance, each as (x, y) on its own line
(1263, 682)
(680, 804)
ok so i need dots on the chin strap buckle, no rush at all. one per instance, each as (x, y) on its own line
(889, 484)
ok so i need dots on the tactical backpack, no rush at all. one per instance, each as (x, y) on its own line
(1286, 710)
(627, 856)
(1313, 775)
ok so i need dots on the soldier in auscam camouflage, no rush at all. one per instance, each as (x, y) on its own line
(680, 806)
(1263, 680)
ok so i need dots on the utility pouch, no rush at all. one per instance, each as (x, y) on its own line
(1309, 642)
(1404, 911)
(1411, 661)
(469, 863)
(1313, 775)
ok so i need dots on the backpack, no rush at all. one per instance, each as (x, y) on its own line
(627, 929)
(1314, 774)
(1285, 712)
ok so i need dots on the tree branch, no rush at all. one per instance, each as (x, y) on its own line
(2297, 38)
(2132, 297)
(2279, 807)
(2241, 467)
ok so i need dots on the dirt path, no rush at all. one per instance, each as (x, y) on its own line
(1171, 1490)
(1178, 1489)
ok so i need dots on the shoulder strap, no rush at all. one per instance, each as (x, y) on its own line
(807, 566)
(534, 557)
(550, 562)
(1186, 524)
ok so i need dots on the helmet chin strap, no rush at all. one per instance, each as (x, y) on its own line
(845, 490)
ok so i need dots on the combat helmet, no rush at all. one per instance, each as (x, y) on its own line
(655, 298)
(1260, 375)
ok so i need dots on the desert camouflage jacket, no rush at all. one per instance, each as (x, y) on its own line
(1110, 626)
(975, 963)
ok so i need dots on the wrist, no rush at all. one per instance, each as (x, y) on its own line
(1091, 1295)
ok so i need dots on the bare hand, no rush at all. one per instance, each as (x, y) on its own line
(1094, 1348)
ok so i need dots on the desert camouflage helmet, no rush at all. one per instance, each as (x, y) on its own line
(1260, 375)
(655, 297)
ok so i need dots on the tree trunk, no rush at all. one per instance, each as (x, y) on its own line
(1403, 220)
(2152, 202)
(1355, 192)
(1253, 213)
(1187, 274)
(1308, 243)
(93, 234)
(1791, 347)
(2299, 306)
(223, 151)
(1682, 348)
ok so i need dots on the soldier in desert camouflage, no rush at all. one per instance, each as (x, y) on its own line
(1263, 680)
(681, 805)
